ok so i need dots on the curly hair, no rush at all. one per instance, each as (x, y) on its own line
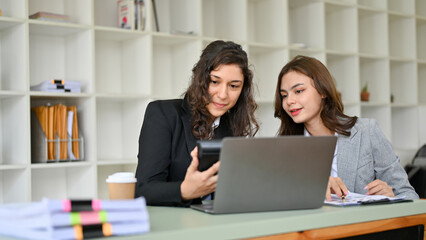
(332, 107)
(241, 116)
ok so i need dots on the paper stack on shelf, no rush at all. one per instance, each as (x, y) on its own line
(74, 219)
(47, 16)
(55, 85)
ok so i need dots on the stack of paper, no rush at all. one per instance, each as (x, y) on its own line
(48, 16)
(70, 219)
(57, 85)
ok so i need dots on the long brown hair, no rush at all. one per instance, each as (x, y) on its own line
(241, 116)
(332, 107)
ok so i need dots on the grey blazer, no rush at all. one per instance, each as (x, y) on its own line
(367, 155)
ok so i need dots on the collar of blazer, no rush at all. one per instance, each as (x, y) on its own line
(347, 157)
(221, 131)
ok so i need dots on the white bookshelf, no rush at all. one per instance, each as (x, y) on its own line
(381, 43)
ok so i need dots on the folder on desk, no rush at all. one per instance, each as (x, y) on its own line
(352, 199)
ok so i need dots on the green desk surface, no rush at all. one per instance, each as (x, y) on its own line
(184, 223)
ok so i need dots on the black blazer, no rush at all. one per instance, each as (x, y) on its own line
(165, 144)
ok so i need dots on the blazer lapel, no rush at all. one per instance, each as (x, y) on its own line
(186, 121)
(223, 130)
(347, 155)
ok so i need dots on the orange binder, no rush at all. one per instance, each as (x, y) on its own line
(50, 133)
(61, 129)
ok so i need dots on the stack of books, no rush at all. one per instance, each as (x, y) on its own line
(47, 16)
(58, 85)
(74, 219)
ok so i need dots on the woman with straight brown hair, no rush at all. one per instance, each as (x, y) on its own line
(307, 103)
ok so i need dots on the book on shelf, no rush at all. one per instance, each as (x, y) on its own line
(154, 10)
(131, 14)
(74, 219)
(48, 16)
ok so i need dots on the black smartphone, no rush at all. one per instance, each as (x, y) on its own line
(208, 153)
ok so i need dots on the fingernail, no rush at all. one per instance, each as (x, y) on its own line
(366, 187)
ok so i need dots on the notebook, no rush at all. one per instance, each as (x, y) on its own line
(271, 174)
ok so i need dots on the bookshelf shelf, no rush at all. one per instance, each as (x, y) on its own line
(381, 43)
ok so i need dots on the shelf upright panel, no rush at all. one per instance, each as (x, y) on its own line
(173, 60)
(375, 74)
(224, 19)
(106, 13)
(266, 63)
(421, 127)
(420, 8)
(402, 37)
(421, 39)
(421, 89)
(318, 54)
(402, 6)
(268, 124)
(119, 121)
(352, 109)
(14, 8)
(405, 127)
(14, 130)
(13, 64)
(122, 62)
(373, 4)
(339, 24)
(345, 72)
(14, 186)
(307, 24)
(61, 181)
(267, 21)
(177, 16)
(372, 32)
(403, 81)
(382, 114)
(79, 11)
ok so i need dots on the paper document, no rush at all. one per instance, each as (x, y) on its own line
(361, 199)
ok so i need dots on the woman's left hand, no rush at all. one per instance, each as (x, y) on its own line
(378, 187)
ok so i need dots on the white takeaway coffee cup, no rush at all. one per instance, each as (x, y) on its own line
(121, 185)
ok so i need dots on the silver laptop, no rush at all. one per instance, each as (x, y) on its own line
(271, 174)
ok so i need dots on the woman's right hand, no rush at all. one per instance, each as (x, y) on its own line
(196, 183)
(335, 185)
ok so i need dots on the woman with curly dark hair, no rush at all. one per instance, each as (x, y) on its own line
(218, 103)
